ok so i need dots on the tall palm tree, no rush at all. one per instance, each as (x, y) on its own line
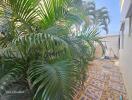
(38, 55)
(99, 17)
(90, 15)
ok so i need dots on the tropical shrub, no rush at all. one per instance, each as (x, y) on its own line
(38, 52)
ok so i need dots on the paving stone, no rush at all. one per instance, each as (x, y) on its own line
(117, 86)
(97, 83)
(93, 92)
(104, 82)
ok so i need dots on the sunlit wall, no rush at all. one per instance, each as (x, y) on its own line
(122, 2)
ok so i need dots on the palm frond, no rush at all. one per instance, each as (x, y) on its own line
(24, 10)
(53, 81)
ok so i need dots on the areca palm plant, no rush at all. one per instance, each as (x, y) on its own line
(38, 54)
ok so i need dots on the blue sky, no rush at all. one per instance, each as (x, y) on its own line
(113, 7)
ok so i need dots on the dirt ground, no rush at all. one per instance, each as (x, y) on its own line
(104, 82)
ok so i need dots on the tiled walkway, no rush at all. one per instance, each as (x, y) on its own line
(104, 82)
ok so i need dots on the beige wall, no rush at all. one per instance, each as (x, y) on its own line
(126, 58)
(112, 43)
(98, 51)
(126, 45)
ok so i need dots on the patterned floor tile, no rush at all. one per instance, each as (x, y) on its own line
(104, 82)
(116, 86)
(97, 84)
(93, 92)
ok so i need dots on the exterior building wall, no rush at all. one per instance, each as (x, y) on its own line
(121, 2)
(126, 65)
(112, 45)
(126, 45)
(126, 58)
(98, 51)
(125, 5)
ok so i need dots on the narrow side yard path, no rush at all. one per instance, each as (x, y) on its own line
(104, 82)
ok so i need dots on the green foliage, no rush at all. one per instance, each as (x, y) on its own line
(98, 17)
(91, 15)
(53, 81)
(38, 51)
